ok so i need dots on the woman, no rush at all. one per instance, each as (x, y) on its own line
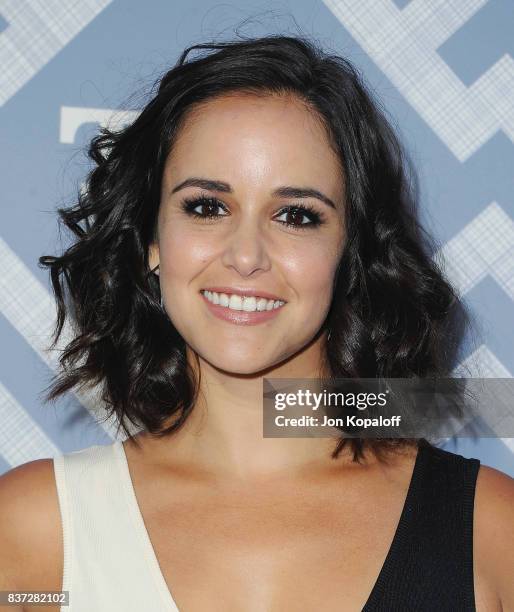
(261, 169)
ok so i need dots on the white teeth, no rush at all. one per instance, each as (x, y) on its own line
(249, 304)
(261, 303)
(237, 302)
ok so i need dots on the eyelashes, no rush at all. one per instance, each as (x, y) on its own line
(316, 219)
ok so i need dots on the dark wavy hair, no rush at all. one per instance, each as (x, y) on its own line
(393, 313)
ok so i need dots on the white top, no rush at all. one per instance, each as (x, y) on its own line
(109, 561)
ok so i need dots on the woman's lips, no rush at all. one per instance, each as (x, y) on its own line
(240, 317)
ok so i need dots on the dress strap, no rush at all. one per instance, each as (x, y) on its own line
(430, 565)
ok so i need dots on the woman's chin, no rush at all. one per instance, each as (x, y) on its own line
(244, 364)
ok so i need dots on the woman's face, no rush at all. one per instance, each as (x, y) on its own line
(254, 146)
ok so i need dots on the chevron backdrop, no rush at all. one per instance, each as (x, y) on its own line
(442, 69)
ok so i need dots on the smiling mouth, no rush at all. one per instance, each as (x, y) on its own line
(242, 303)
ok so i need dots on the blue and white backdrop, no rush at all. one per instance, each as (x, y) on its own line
(443, 69)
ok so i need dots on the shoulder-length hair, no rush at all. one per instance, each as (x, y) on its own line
(392, 313)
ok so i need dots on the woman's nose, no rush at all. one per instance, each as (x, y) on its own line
(246, 249)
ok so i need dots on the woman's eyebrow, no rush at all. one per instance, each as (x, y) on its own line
(282, 192)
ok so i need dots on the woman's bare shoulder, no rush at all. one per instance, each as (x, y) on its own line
(31, 548)
(493, 534)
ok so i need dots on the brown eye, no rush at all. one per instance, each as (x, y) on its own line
(210, 204)
(296, 213)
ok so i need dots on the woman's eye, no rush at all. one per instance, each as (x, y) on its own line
(210, 204)
(298, 217)
(295, 214)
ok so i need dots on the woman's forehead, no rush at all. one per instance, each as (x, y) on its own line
(255, 138)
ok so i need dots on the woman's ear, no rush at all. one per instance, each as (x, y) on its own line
(153, 257)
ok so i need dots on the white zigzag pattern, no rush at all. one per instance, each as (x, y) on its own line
(36, 32)
(21, 439)
(403, 44)
(30, 309)
(485, 246)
